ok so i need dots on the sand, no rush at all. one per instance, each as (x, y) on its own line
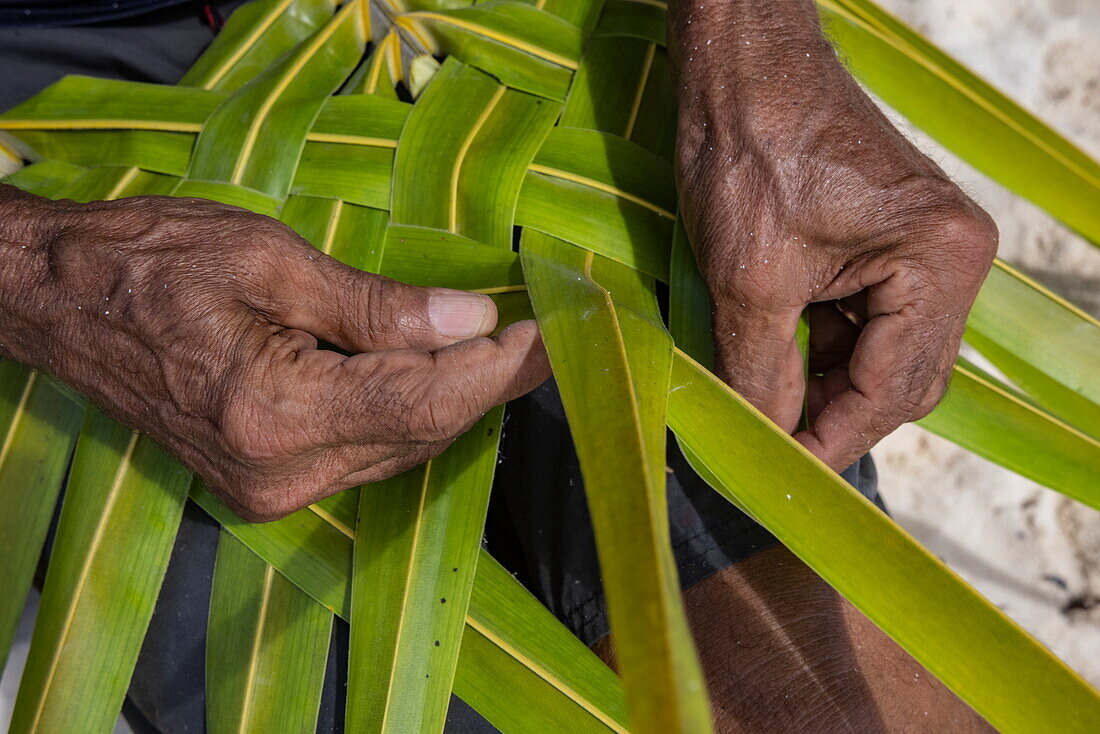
(1032, 552)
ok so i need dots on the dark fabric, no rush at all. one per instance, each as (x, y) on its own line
(58, 13)
(167, 693)
(153, 48)
(540, 528)
(170, 674)
(538, 523)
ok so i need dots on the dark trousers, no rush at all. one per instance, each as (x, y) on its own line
(538, 522)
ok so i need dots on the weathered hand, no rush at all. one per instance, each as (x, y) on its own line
(198, 324)
(797, 192)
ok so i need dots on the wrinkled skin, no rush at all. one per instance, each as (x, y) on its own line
(198, 324)
(798, 192)
(782, 652)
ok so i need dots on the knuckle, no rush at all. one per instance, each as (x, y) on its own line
(393, 392)
(374, 296)
(882, 423)
(912, 396)
(970, 227)
(927, 405)
(264, 495)
(926, 195)
(939, 202)
(265, 231)
(938, 212)
(738, 288)
(932, 398)
(433, 421)
(906, 406)
(389, 307)
(265, 242)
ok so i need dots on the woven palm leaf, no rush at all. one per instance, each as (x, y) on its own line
(522, 150)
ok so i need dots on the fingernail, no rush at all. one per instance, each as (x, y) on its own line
(459, 315)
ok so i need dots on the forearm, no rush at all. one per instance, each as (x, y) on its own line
(748, 71)
(25, 226)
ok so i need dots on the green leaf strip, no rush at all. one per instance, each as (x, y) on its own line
(253, 38)
(993, 422)
(99, 595)
(263, 152)
(266, 648)
(970, 117)
(313, 548)
(965, 641)
(416, 549)
(457, 19)
(1046, 346)
(81, 583)
(609, 352)
(41, 427)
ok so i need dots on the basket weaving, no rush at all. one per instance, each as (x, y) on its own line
(521, 150)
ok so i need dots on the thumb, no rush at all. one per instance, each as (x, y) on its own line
(757, 355)
(364, 312)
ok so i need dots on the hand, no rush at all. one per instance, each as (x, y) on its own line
(198, 324)
(798, 193)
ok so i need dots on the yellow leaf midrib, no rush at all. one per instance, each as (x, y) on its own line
(331, 520)
(947, 78)
(124, 180)
(82, 577)
(460, 156)
(331, 226)
(398, 641)
(247, 45)
(17, 418)
(639, 91)
(600, 186)
(363, 140)
(522, 659)
(254, 654)
(492, 35)
(106, 123)
(302, 58)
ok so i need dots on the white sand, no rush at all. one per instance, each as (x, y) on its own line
(1029, 550)
(1033, 552)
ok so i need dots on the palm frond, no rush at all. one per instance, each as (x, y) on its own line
(555, 117)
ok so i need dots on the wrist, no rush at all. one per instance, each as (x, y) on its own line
(27, 224)
(754, 75)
